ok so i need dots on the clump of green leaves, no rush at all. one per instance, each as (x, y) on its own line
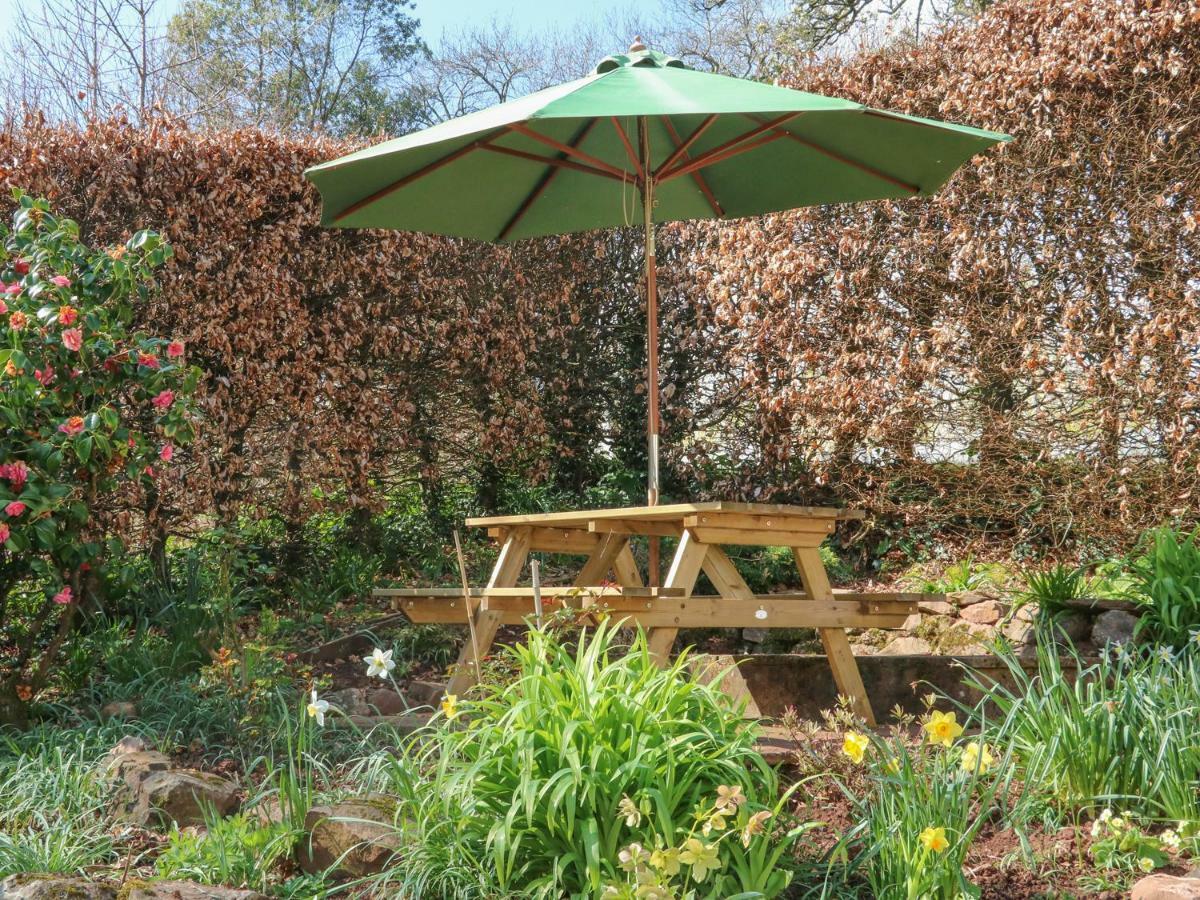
(235, 851)
(1167, 585)
(539, 784)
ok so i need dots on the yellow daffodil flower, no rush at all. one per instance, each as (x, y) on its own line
(942, 728)
(977, 758)
(450, 706)
(935, 839)
(855, 745)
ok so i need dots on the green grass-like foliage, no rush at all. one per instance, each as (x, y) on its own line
(1167, 584)
(1122, 731)
(521, 794)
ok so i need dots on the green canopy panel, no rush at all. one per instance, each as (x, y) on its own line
(569, 158)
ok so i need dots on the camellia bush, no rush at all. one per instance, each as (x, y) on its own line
(89, 410)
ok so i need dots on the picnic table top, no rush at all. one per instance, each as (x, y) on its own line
(668, 512)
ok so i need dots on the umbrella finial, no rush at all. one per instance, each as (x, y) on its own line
(638, 46)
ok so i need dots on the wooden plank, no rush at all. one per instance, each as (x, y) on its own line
(600, 563)
(625, 568)
(553, 540)
(665, 513)
(724, 575)
(527, 592)
(744, 522)
(837, 646)
(685, 569)
(738, 537)
(508, 567)
(616, 526)
(435, 610)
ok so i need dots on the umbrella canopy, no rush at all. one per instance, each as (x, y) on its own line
(570, 158)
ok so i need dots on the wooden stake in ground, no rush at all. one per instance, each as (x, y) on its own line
(462, 572)
(535, 572)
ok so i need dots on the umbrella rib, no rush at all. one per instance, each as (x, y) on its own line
(682, 149)
(420, 173)
(731, 147)
(559, 163)
(543, 183)
(696, 176)
(569, 150)
(853, 163)
(633, 158)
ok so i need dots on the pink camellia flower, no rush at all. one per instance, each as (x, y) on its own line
(63, 597)
(14, 288)
(61, 280)
(44, 376)
(149, 360)
(72, 426)
(3, 307)
(166, 453)
(14, 509)
(72, 339)
(18, 320)
(5, 531)
(67, 315)
(149, 470)
(164, 400)
(20, 266)
(15, 473)
(175, 349)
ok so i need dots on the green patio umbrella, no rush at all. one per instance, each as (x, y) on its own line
(642, 139)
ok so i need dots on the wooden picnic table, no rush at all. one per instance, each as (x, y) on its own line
(603, 537)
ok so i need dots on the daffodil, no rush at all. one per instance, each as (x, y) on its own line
(855, 745)
(628, 810)
(893, 766)
(730, 797)
(935, 839)
(700, 856)
(666, 861)
(450, 706)
(977, 758)
(317, 708)
(942, 728)
(754, 826)
(379, 664)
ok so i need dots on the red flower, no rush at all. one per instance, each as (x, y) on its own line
(72, 339)
(44, 376)
(15, 473)
(166, 453)
(72, 426)
(24, 693)
(112, 364)
(63, 597)
(60, 280)
(18, 320)
(5, 531)
(164, 400)
(3, 307)
(14, 509)
(67, 315)
(175, 349)
(20, 266)
(149, 360)
(13, 288)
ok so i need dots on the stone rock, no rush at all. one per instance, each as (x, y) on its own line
(969, 598)
(350, 701)
(906, 646)
(425, 693)
(1072, 627)
(34, 886)
(859, 649)
(1115, 626)
(986, 612)
(1020, 632)
(127, 770)
(131, 743)
(118, 709)
(185, 890)
(181, 796)
(359, 836)
(1026, 612)
(936, 607)
(386, 702)
(754, 635)
(913, 622)
(1166, 887)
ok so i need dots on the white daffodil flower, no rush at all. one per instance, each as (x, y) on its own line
(379, 664)
(317, 709)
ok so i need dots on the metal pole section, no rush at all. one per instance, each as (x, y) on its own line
(651, 338)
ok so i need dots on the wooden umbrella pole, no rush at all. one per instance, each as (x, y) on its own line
(651, 340)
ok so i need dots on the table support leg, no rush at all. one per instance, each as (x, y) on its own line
(729, 584)
(685, 569)
(505, 573)
(602, 560)
(837, 646)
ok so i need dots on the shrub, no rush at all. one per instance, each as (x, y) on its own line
(1122, 731)
(541, 783)
(1167, 585)
(92, 410)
